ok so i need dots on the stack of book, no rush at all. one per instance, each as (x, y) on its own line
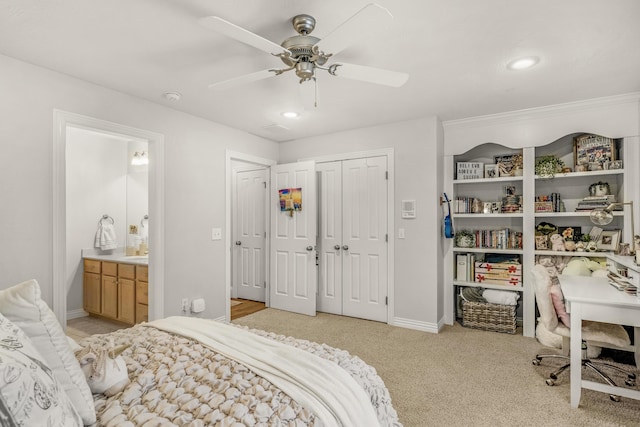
(549, 203)
(596, 202)
(465, 267)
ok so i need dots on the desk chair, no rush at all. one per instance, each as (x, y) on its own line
(595, 333)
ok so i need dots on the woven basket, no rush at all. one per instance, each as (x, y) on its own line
(489, 317)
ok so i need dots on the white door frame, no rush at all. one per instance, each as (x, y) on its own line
(62, 120)
(247, 158)
(389, 153)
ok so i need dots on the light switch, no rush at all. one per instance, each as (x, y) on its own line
(216, 233)
(400, 233)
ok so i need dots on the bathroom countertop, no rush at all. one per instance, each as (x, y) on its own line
(116, 255)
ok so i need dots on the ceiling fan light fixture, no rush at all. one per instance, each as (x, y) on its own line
(290, 114)
(523, 63)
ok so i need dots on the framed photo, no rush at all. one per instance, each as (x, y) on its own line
(487, 208)
(570, 233)
(608, 240)
(490, 171)
(505, 164)
(590, 149)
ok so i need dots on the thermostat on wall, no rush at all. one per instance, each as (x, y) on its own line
(408, 209)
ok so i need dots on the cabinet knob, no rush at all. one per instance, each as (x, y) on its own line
(345, 247)
(309, 248)
(336, 247)
(238, 242)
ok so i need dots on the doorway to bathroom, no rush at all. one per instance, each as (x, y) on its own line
(95, 181)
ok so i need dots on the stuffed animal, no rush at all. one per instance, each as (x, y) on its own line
(592, 246)
(104, 368)
(557, 243)
(580, 246)
(570, 245)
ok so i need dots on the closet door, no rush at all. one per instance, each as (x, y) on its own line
(364, 243)
(330, 237)
(352, 278)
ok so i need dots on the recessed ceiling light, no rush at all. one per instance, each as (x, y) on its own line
(290, 114)
(172, 96)
(523, 63)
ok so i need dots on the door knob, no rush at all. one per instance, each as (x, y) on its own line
(345, 247)
(336, 247)
(238, 242)
(309, 248)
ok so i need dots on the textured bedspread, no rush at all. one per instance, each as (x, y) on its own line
(176, 380)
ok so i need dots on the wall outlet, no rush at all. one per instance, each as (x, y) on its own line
(185, 305)
(216, 234)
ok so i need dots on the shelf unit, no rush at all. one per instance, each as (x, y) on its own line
(573, 187)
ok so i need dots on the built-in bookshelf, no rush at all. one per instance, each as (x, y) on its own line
(561, 200)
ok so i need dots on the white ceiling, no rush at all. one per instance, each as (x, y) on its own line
(454, 50)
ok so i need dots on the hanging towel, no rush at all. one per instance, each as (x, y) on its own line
(143, 231)
(106, 236)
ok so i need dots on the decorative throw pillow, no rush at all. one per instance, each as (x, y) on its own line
(558, 303)
(23, 305)
(30, 394)
(542, 283)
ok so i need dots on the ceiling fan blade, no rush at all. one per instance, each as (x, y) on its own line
(366, 21)
(237, 81)
(370, 74)
(232, 30)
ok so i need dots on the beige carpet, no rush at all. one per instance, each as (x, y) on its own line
(459, 377)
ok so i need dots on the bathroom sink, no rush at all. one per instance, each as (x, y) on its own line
(136, 257)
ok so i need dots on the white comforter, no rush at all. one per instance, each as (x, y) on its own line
(180, 377)
(319, 385)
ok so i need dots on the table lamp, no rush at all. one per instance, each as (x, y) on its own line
(605, 216)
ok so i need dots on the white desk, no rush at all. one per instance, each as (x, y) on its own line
(590, 298)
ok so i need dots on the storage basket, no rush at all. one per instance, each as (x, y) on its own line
(489, 317)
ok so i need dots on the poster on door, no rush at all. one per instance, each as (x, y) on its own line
(290, 200)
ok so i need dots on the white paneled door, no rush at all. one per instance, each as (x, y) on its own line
(293, 272)
(249, 235)
(353, 238)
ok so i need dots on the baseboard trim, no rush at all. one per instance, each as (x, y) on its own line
(417, 325)
(76, 314)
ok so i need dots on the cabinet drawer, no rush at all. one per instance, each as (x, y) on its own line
(142, 313)
(142, 273)
(109, 268)
(127, 271)
(142, 292)
(91, 266)
(634, 277)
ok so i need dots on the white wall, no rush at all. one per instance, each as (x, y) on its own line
(417, 148)
(96, 185)
(194, 179)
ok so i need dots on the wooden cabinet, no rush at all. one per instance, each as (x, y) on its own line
(92, 287)
(117, 291)
(142, 293)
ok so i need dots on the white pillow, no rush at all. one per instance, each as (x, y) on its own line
(23, 305)
(30, 394)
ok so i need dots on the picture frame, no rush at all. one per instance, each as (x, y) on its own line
(608, 240)
(490, 171)
(504, 163)
(590, 149)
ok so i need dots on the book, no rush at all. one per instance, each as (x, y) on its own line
(462, 269)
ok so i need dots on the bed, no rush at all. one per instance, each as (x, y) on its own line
(196, 372)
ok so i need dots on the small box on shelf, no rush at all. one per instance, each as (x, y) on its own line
(469, 170)
(502, 273)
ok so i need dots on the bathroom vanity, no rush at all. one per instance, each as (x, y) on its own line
(116, 287)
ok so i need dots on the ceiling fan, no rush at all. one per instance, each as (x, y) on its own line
(306, 54)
